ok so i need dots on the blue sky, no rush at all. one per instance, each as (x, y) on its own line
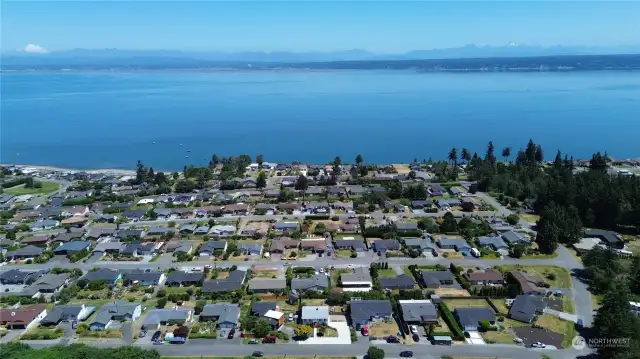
(314, 26)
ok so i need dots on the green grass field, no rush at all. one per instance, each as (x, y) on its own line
(47, 187)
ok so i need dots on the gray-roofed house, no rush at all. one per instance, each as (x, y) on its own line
(233, 282)
(314, 315)
(211, 248)
(469, 318)
(437, 279)
(61, 313)
(71, 247)
(525, 308)
(67, 237)
(95, 233)
(188, 228)
(530, 284)
(458, 244)
(495, 243)
(142, 277)
(47, 284)
(406, 227)
(281, 245)
(421, 204)
(259, 309)
(28, 252)
(163, 213)
(456, 191)
(418, 312)
(353, 244)
(184, 279)
(42, 225)
(202, 230)
(168, 316)
(401, 281)
(225, 314)
(134, 215)
(512, 237)
(251, 249)
(286, 226)
(421, 244)
(365, 312)
(448, 203)
(437, 190)
(222, 230)
(317, 283)
(358, 280)
(384, 245)
(19, 277)
(109, 247)
(131, 250)
(176, 247)
(117, 311)
(105, 274)
(159, 231)
(261, 285)
(130, 233)
(612, 239)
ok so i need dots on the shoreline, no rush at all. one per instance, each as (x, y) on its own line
(106, 171)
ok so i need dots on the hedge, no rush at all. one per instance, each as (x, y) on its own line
(442, 334)
(451, 321)
(13, 183)
(317, 216)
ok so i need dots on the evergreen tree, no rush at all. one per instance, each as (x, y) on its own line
(506, 153)
(547, 238)
(260, 160)
(599, 162)
(490, 155)
(359, 159)
(449, 224)
(539, 154)
(613, 321)
(453, 156)
(261, 182)
(465, 156)
(557, 162)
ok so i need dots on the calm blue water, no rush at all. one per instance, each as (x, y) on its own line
(109, 120)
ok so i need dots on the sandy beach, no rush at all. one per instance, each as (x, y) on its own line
(106, 171)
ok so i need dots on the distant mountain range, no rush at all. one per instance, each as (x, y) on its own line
(170, 59)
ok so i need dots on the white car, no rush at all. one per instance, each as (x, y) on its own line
(350, 266)
(414, 329)
(538, 345)
(321, 270)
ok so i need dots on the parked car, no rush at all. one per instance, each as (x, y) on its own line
(232, 332)
(406, 354)
(74, 324)
(392, 339)
(415, 337)
(156, 336)
(258, 354)
(269, 339)
(143, 333)
(365, 330)
(414, 329)
(321, 270)
(252, 341)
(290, 317)
(538, 345)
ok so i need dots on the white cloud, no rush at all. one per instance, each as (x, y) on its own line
(35, 49)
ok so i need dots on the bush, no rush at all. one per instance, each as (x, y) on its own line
(375, 353)
(335, 218)
(161, 302)
(451, 321)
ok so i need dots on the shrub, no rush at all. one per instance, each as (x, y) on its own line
(451, 321)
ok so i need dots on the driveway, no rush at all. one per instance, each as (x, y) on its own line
(11, 335)
(127, 332)
(562, 315)
(344, 335)
(67, 335)
(475, 338)
(93, 258)
(530, 335)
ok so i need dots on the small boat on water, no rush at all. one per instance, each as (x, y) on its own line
(186, 156)
(153, 143)
(181, 144)
(188, 150)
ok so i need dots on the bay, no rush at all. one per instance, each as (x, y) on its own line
(112, 119)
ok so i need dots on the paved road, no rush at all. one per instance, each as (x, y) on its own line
(392, 350)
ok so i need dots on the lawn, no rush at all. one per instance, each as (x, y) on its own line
(266, 273)
(383, 329)
(532, 218)
(312, 302)
(562, 278)
(286, 307)
(461, 303)
(501, 336)
(567, 305)
(47, 187)
(633, 243)
(501, 305)
(388, 273)
(343, 253)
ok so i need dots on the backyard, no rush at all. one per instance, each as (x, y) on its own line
(559, 326)
(387, 273)
(462, 303)
(47, 187)
(557, 277)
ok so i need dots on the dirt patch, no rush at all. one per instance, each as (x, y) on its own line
(383, 329)
(452, 292)
(402, 169)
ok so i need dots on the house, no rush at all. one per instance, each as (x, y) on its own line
(317, 283)
(109, 247)
(418, 312)
(28, 252)
(134, 215)
(222, 230)
(484, 277)
(458, 244)
(495, 243)
(116, 311)
(75, 211)
(61, 313)
(315, 207)
(290, 207)
(131, 250)
(188, 228)
(275, 318)
(456, 191)
(129, 234)
(143, 278)
(525, 308)
(97, 232)
(398, 207)
(359, 280)
(202, 230)
(159, 231)
(421, 204)
(36, 240)
(225, 314)
(612, 239)
(167, 316)
(448, 203)
(163, 213)
(47, 284)
(384, 245)
(281, 245)
(529, 284)
(251, 249)
(233, 282)
(176, 247)
(512, 237)
(286, 226)
(236, 209)
(365, 312)
(184, 279)
(401, 281)
(469, 318)
(71, 248)
(211, 248)
(406, 227)
(347, 207)
(18, 277)
(67, 237)
(437, 279)
(421, 244)
(77, 222)
(43, 225)
(314, 245)
(436, 190)
(314, 315)
(261, 285)
(148, 248)
(587, 244)
(352, 244)
(103, 274)
(22, 317)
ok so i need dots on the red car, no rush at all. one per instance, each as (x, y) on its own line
(365, 330)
